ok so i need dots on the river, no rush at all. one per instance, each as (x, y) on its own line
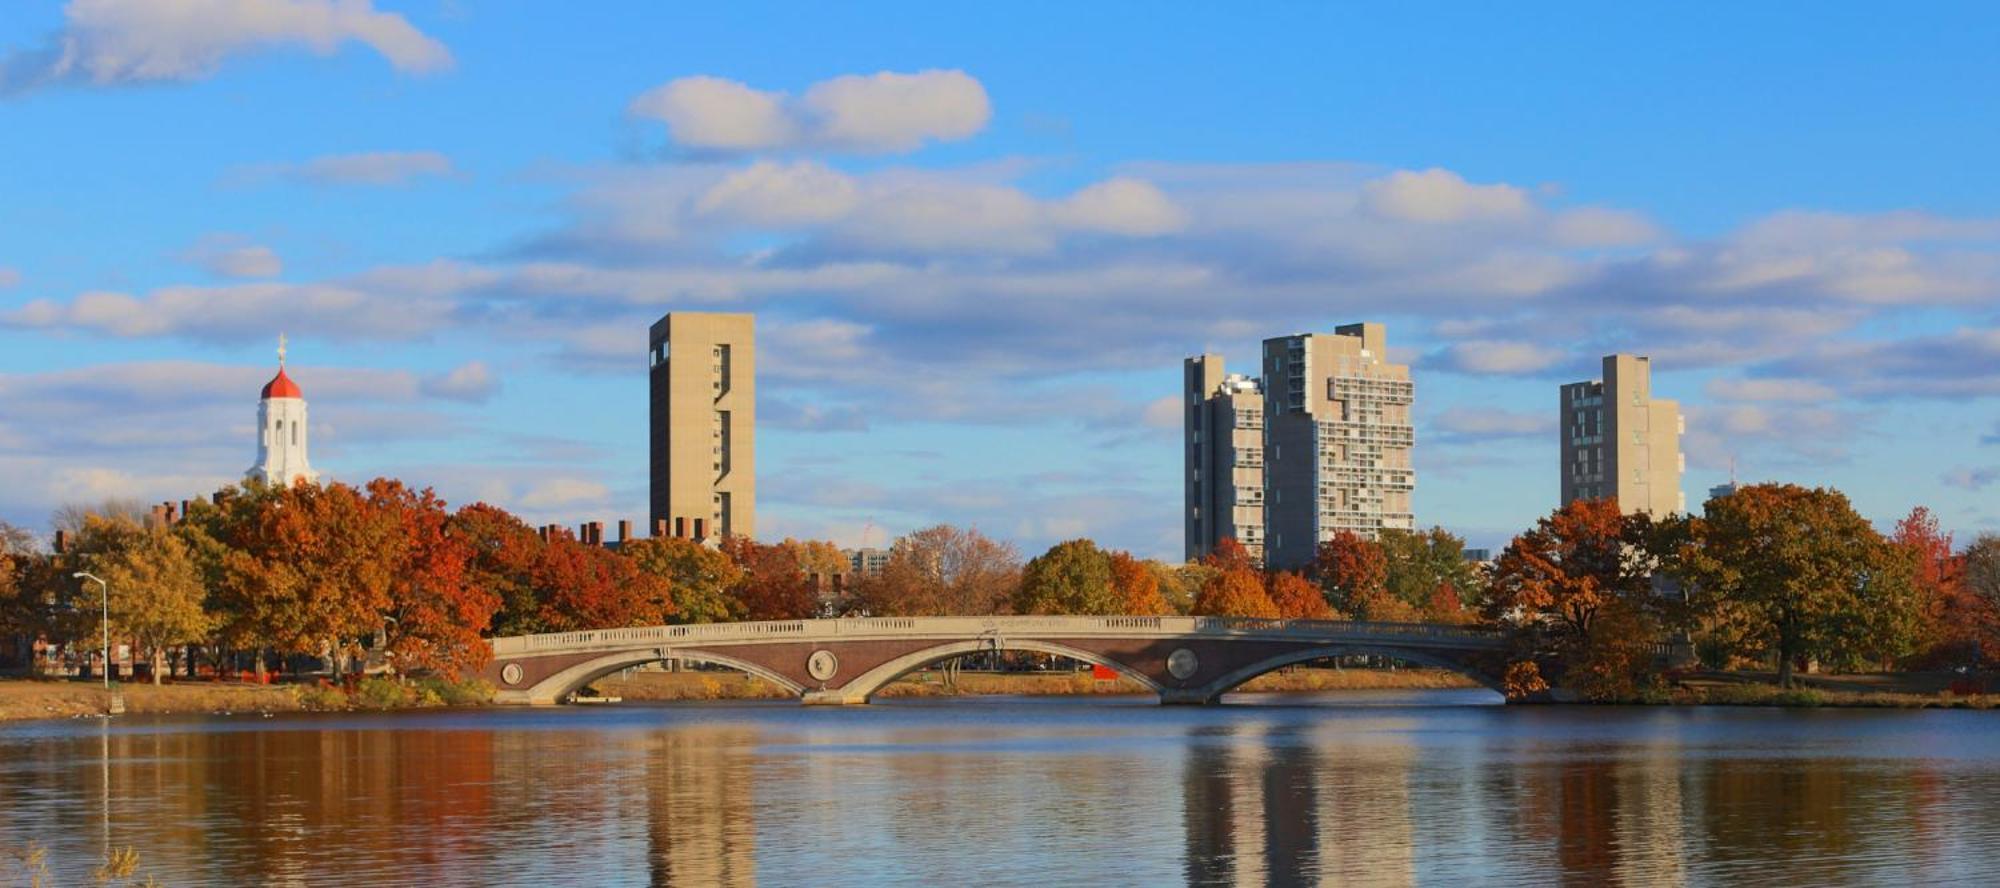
(1427, 787)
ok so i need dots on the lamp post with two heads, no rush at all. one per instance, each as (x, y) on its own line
(104, 593)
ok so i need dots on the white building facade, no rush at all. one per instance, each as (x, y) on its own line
(282, 432)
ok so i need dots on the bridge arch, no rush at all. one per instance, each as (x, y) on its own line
(1229, 681)
(864, 686)
(558, 687)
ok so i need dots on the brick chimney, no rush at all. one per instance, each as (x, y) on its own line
(624, 530)
(62, 541)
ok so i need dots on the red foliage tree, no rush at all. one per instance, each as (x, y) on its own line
(583, 586)
(774, 584)
(1353, 574)
(436, 612)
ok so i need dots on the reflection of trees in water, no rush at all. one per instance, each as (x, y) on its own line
(1284, 809)
(700, 807)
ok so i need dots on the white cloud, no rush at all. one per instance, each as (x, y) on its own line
(1439, 195)
(715, 113)
(775, 194)
(228, 255)
(564, 493)
(884, 112)
(1484, 424)
(369, 168)
(113, 42)
(9, 278)
(1122, 206)
(241, 311)
(1602, 227)
(470, 382)
(1971, 478)
(1164, 413)
(888, 111)
(1803, 391)
(1495, 357)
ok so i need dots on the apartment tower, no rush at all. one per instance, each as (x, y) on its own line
(704, 419)
(1224, 450)
(1619, 441)
(1337, 440)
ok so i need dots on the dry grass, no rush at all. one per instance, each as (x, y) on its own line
(26, 699)
(1742, 694)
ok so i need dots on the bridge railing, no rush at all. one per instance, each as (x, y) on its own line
(973, 627)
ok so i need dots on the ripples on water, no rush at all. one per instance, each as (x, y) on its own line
(1352, 788)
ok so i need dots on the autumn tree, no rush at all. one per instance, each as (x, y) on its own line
(1072, 577)
(700, 582)
(586, 586)
(1137, 585)
(1297, 598)
(942, 571)
(502, 554)
(23, 604)
(775, 584)
(309, 571)
(156, 593)
(1949, 614)
(1981, 571)
(1233, 587)
(1555, 581)
(1812, 577)
(1353, 574)
(436, 609)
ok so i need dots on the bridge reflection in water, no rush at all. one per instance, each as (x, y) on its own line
(1011, 792)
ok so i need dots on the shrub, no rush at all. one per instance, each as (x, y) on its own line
(383, 693)
(436, 691)
(322, 698)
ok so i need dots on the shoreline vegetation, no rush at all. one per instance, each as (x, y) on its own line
(32, 699)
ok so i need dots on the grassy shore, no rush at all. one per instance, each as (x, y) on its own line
(659, 686)
(1731, 693)
(31, 699)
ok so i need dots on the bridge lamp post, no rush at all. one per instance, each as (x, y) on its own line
(104, 595)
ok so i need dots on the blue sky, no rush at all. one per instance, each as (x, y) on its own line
(979, 241)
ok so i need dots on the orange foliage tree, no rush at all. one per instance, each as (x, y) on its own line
(1557, 580)
(774, 584)
(1138, 586)
(501, 555)
(1298, 598)
(1233, 589)
(1353, 572)
(584, 586)
(309, 571)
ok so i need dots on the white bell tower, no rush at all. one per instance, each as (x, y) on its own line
(281, 431)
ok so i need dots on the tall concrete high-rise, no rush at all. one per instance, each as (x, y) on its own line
(1224, 453)
(1337, 440)
(1618, 441)
(704, 424)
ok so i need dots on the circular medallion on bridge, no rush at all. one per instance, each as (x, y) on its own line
(1182, 663)
(511, 673)
(822, 665)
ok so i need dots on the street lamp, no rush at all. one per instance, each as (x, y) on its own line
(104, 592)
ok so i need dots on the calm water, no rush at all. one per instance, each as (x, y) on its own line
(1388, 788)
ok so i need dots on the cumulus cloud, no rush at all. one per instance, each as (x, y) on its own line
(1438, 195)
(119, 42)
(228, 255)
(371, 169)
(776, 194)
(237, 312)
(874, 113)
(1122, 206)
(470, 382)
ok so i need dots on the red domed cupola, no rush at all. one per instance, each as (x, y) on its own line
(282, 386)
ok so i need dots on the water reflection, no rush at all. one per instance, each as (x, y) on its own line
(1018, 792)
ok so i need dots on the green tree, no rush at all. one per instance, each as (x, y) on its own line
(1811, 577)
(1417, 563)
(156, 590)
(1072, 577)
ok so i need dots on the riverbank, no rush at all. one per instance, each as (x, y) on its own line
(36, 699)
(653, 686)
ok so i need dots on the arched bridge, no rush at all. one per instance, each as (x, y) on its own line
(1182, 659)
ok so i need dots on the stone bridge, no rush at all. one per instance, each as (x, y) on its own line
(1182, 659)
